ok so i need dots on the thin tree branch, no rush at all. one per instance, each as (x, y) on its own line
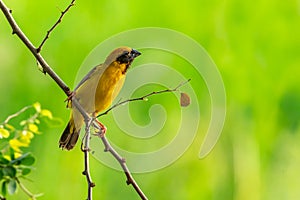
(55, 25)
(143, 98)
(85, 146)
(26, 191)
(86, 149)
(16, 114)
(109, 148)
(46, 68)
(122, 162)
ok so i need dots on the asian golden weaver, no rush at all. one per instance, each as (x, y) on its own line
(96, 91)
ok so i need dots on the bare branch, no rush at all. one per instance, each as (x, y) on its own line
(143, 98)
(46, 68)
(88, 120)
(16, 114)
(26, 191)
(85, 149)
(55, 25)
(130, 179)
(85, 145)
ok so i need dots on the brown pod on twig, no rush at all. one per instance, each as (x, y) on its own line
(185, 99)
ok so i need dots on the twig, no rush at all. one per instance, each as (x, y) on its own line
(143, 98)
(85, 146)
(32, 196)
(16, 114)
(46, 68)
(55, 25)
(86, 149)
(122, 162)
(109, 148)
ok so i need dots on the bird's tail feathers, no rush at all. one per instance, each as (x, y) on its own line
(70, 136)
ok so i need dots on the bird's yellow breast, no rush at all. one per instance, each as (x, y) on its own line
(97, 94)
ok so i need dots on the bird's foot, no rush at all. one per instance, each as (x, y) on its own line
(102, 130)
(69, 99)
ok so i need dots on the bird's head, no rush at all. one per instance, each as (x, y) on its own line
(123, 56)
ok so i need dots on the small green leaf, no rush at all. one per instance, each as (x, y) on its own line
(9, 171)
(37, 106)
(46, 113)
(1, 174)
(26, 171)
(23, 122)
(11, 150)
(12, 186)
(3, 160)
(27, 161)
(17, 161)
(10, 127)
(3, 190)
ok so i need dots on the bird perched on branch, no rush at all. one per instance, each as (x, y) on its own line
(96, 91)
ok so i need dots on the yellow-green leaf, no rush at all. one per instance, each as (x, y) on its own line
(23, 122)
(40, 67)
(33, 128)
(4, 133)
(12, 186)
(10, 127)
(16, 144)
(7, 157)
(46, 113)
(37, 106)
(17, 154)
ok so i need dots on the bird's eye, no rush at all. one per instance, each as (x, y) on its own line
(124, 58)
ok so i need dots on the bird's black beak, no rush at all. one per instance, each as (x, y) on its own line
(135, 53)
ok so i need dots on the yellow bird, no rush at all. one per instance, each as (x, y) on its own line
(96, 91)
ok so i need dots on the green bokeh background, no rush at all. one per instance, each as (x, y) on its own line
(256, 46)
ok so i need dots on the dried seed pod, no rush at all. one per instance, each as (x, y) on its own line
(185, 99)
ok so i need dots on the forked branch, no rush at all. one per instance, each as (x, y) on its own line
(55, 25)
(88, 120)
(48, 70)
(143, 98)
(122, 162)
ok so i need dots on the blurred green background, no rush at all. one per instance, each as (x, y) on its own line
(256, 46)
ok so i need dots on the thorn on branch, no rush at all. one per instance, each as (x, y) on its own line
(92, 184)
(106, 149)
(130, 180)
(123, 160)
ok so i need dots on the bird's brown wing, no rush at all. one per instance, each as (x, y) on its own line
(89, 75)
